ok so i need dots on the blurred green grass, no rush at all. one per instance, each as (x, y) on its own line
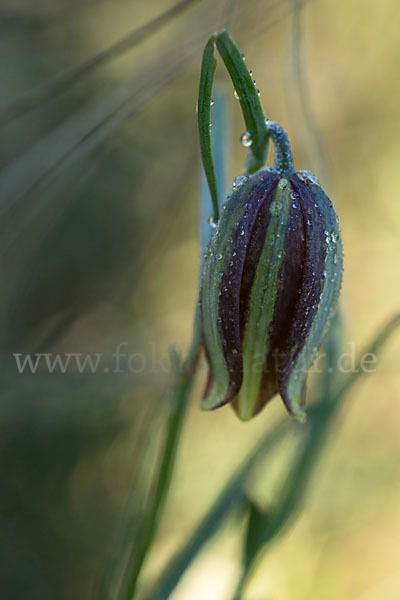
(101, 247)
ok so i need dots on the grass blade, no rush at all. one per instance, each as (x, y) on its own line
(62, 82)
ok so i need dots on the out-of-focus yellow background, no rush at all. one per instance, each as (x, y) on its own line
(99, 189)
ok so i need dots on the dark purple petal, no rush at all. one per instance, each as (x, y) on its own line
(248, 237)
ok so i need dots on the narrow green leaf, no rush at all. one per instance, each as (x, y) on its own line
(343, 387)
(208, 67)
(315, 433)
(249, 101)
(331, 350)
(221, 152)
(232, 496)
(183, 378)
(256, 523)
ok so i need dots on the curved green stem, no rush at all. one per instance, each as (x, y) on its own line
(283, 159)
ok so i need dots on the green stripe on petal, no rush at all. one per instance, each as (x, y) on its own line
(262, 301)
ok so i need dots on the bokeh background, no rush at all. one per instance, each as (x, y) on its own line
(99, 188)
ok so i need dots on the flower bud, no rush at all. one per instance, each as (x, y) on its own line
(270, 284)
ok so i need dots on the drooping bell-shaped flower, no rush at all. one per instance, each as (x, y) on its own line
(270, 284)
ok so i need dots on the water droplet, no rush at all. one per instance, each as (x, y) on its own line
(266, 120)
(233, 253)
(275, 208)
(245, 139)
(236, 95)
(211, 223)
(251, 73)
(243, 56)
(210, 124)
(240, 179)
(254, 81)
(219, 256)
(258, 92)
(211, 102)
(308, 178)
(242, 231)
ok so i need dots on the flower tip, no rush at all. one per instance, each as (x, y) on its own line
(213, 401)
(245, 417)
(299, 415)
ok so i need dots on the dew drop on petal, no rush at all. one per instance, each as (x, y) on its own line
(239, 181)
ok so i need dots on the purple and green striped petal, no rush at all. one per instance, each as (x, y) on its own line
(221, 286)
(318, 291)
(256, 338)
